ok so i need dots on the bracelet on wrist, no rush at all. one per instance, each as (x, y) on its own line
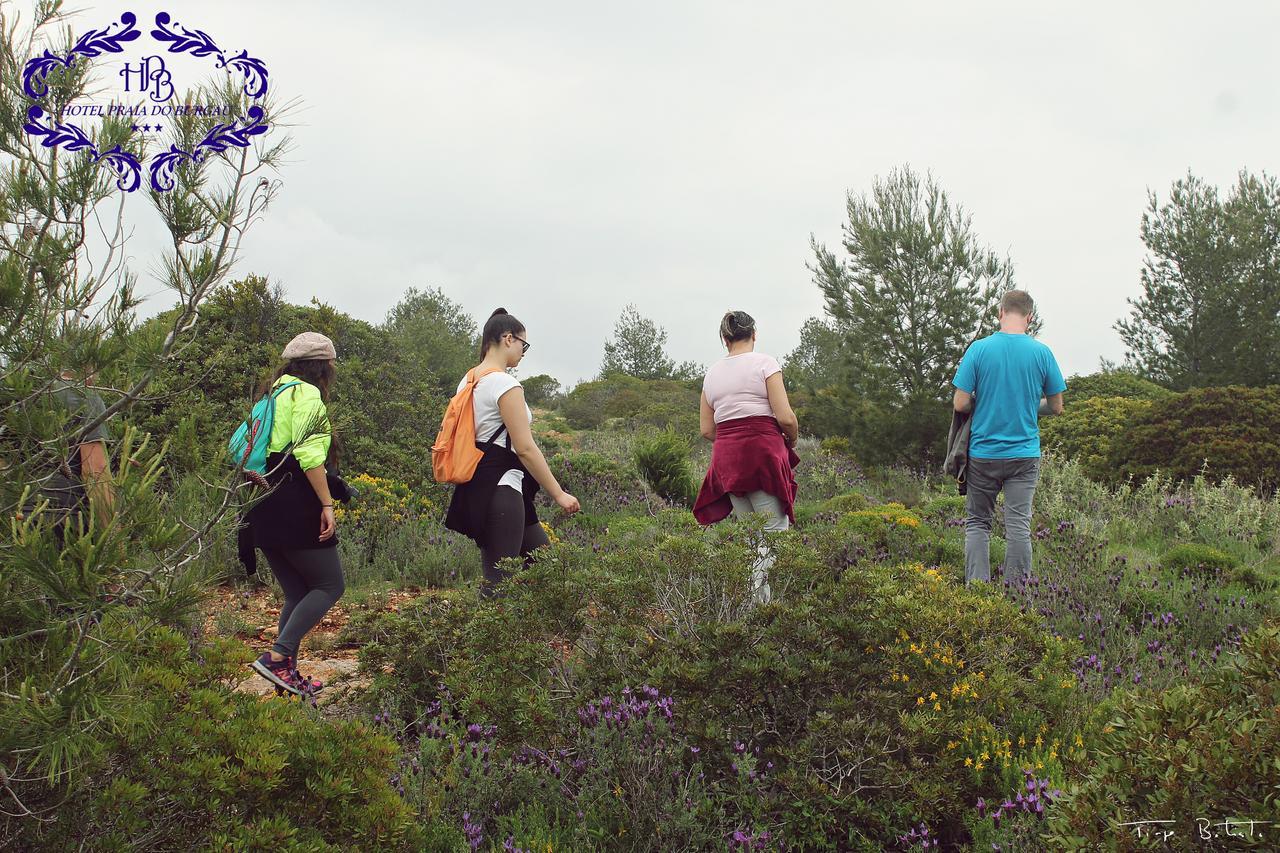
(323, 505)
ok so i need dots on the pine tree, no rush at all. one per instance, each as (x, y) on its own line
(1209, 313)
(913, 288)
(81, 603)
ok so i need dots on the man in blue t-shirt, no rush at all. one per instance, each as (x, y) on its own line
(1008, 380)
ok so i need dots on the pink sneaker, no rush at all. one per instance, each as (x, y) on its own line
(280, 673)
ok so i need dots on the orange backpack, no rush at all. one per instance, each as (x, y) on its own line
(454, 456)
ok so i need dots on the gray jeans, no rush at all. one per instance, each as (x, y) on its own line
(775, 518)
(986, 479)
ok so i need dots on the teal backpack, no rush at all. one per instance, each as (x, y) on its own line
(250, 440)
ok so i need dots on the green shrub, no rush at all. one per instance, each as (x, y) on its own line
(941, 512)
(892, 533)
(663, 461)
(891, 673)
(1200, 559)
(244, 325)
(822, 475)
(221, 770)
(1251, 578)
(899, 484)
(1112, 383)
(1087, 432)
(681, 418)
(1190, 752)
(597, 480)
(836, 444)
(1224, 431)
(848, 502)
(590, 404)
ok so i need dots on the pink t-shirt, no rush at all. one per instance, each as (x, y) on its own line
(735, 388)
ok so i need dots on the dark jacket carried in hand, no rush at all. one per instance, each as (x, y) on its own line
(956, 462)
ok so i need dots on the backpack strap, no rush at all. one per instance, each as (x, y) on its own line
(493, 438)
(276, 392)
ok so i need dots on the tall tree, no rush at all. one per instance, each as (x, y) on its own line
(912, 289)
(436, 332)
(1209, 313)
(639, 348)
(816, 362)
(83, 600)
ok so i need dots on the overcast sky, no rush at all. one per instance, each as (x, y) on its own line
(564, 159)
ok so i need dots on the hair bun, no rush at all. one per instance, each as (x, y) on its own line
(498, 311)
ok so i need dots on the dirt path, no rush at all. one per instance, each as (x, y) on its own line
(328, 653)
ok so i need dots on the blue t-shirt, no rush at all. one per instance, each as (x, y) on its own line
(1007, 374)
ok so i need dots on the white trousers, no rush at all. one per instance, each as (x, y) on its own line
(775, 519)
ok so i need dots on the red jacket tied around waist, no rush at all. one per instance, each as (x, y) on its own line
(749, 454)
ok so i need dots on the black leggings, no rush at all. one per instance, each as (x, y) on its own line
(312, 582)
(506, 535)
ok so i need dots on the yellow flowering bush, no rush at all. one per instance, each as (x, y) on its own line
(382, 502)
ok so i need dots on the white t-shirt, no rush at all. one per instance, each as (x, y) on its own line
(488, 417)
(735, 387)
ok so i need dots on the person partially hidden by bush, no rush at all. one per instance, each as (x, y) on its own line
(746, 413)
(83, 475)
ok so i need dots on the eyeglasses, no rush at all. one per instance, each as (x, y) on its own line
(523, 343)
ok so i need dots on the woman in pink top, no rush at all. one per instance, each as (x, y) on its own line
(746, 413)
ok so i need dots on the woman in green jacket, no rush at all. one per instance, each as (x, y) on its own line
(294, 525)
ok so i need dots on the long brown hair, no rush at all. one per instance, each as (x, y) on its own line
(320, 373)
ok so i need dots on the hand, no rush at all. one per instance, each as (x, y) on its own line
(328, 524)
(568, 503)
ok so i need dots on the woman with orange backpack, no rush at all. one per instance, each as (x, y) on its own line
(494, 504)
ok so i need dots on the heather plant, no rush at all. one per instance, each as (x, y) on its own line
(617, 774)
(599, 482)
(1222, 514)
(410, 554)
(1066, 493)
(1016, 822)
(1194, 754)
(822, 475)
(891, 533)
(391, 532)
(872, 690)
(944, 512)
(1136, 622)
